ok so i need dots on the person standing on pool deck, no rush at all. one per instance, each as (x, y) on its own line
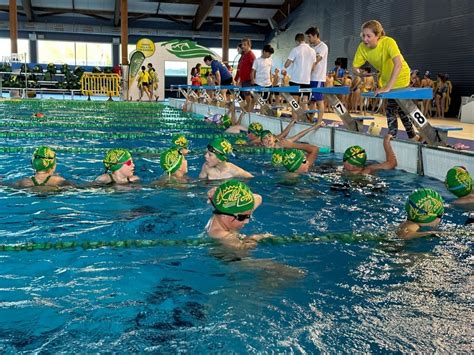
(233, 204)
(383, 54)
(318, 74)
(44, 164)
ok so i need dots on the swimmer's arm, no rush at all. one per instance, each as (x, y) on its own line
(304, 132)
(288, 128)
(409, 230)
(237, 171)
(312, 150)
(391, 158)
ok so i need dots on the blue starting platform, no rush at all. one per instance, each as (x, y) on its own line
(403, 94)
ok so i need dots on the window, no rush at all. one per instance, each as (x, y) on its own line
(176, 68)
(75, 53)
(23, 47)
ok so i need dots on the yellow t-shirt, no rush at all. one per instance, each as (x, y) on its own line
(380, 58)
(143, 77)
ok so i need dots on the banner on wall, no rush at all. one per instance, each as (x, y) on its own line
(157, 54)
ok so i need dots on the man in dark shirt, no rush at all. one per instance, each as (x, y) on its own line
(219, 70)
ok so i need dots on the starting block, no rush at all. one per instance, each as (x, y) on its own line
(404, 98)
(363, 118)
(331, 94)
(442, 131)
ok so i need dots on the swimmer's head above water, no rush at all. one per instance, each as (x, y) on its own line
(233, 199)
(354, 158)
(424, 206)
(116, 158)
(173, 160)
(458, 181)
(220, 147)
(294, 160)
(44, 159)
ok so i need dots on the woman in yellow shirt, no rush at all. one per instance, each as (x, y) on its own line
(383, 54)
(143, 83)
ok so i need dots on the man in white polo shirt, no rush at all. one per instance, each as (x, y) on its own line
(318, 75)
(301, 59)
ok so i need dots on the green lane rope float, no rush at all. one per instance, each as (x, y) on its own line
(109, 135)
(92, 125)
(133, 151)
(146, 243)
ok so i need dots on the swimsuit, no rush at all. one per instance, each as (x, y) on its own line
(36, 183)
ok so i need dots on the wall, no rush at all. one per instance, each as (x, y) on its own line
(435, 35)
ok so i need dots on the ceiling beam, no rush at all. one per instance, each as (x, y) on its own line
(205, 7)
(26, 4)
(252, 6)
(285, 9)
(117, 13)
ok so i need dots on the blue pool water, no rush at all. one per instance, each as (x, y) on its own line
(363, 290)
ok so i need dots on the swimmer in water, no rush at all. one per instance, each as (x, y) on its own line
(253, 133)
(355, 157)
(175, 165)
(424, 209)
(181, 143)
(44, 164)
(459, 182)
(233, 204)
(216, 166)
(119, 168)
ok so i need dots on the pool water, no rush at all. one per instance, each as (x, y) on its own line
(334, 279)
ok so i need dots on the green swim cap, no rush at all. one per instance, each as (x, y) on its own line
(458, 181)
(424, 206)
(292, 159)
(221, 147)
(171, 160)
(226, 122)
(355, 155)
(233, 197)
(43, 159)
(264, 133)
(277, 157)
(115, 158)
(255, 128)
(240, 141)
(180, 141)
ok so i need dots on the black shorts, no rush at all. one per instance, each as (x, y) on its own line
(226, 81)
(302, 86)
(246, 84)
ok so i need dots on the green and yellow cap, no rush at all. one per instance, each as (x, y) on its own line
(240, 141)
(255, 128)
(265, 133)
(226, 122)
(171, 160)
(355, 155)
(424, 206)
(233, 197)
(44, 158)
(292, 159)
(115, 158)
(277, 157)
(221, 147)
(458, 181)
(180, 141)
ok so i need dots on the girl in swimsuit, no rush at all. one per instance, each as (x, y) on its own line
(44, 164)
(119, 168)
